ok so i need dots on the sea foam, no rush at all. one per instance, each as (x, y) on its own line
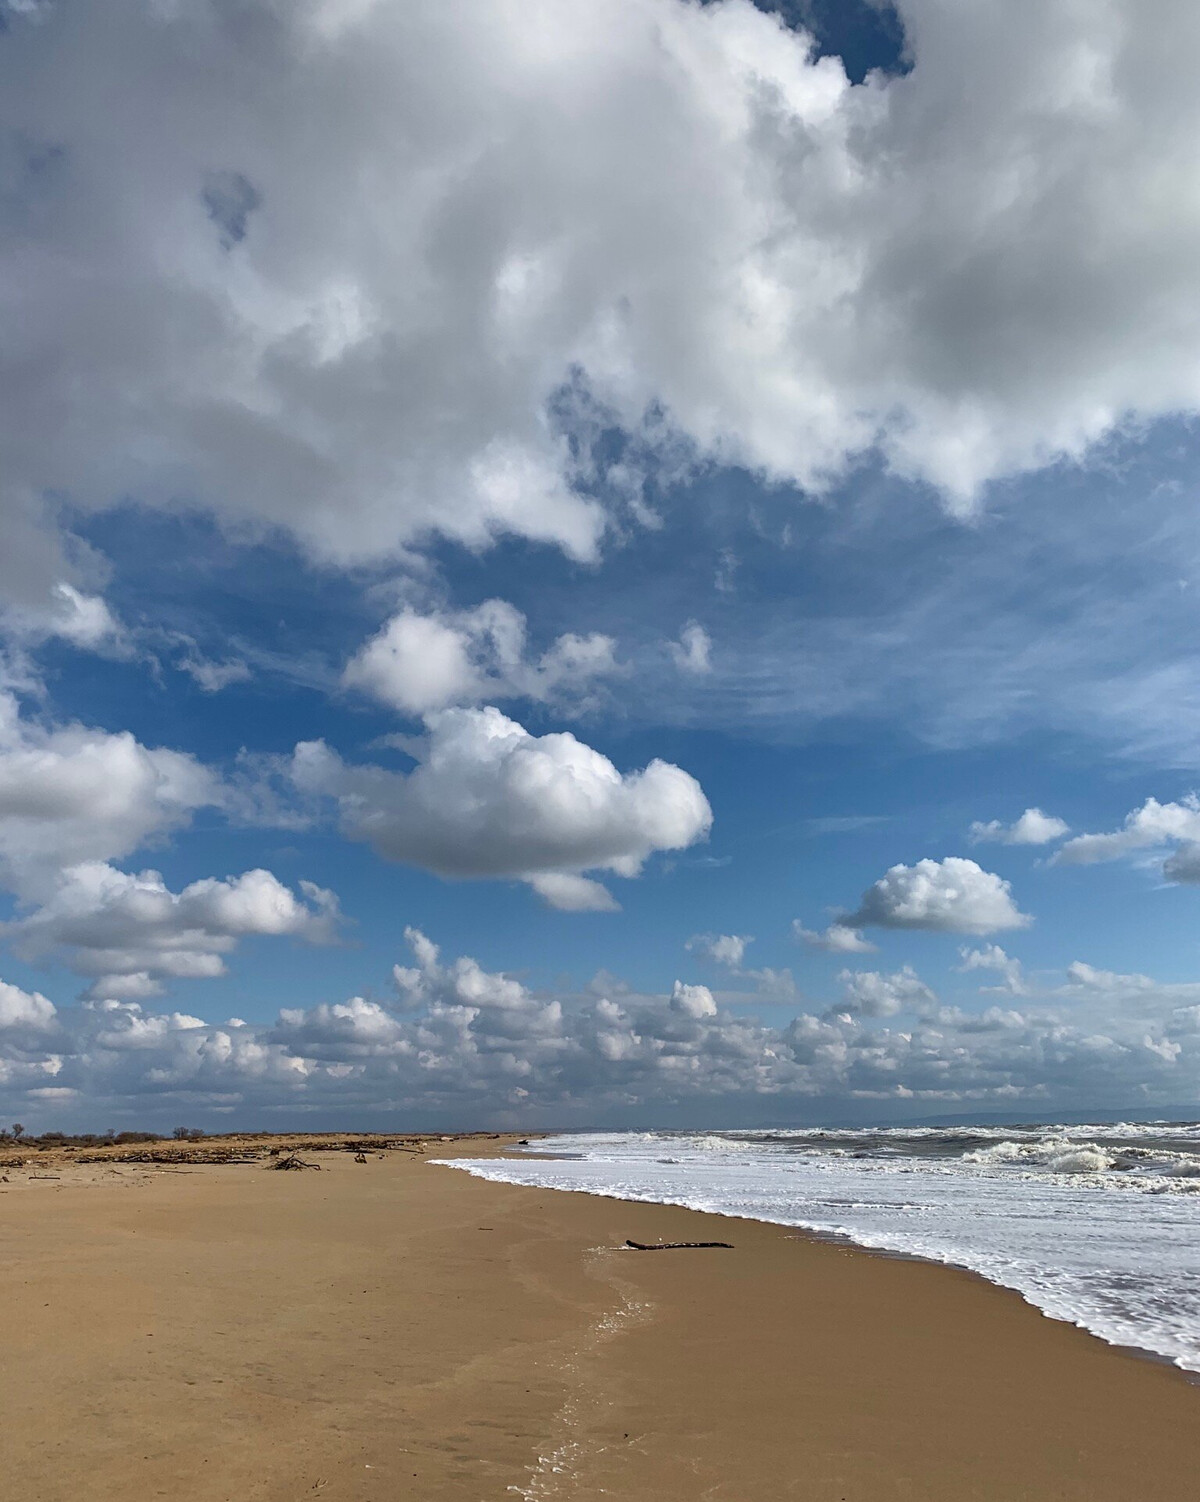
(1095, 1225)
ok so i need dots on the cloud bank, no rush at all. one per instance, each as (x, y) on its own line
(464, 1044)
(380, 272)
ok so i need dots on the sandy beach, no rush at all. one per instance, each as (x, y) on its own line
(390, 1329)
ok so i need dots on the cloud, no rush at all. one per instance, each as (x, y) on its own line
(992, 957)
(843, 823)
(129, 934)
(462, 1043)
(692, 1001)
(24, 1009)
(463, 983)
(211, 676)
(416, 663)
(729, 951)
(692, 653)
(63, 611)
(422, 662)
(73, 794)
(1032, 828)
(949, 896)
(722, 949)
(838, 938)
(1151, 825)
(875, 995)
(1088, 978)
(487, 799)
(85, 620)
(667, 217)
(574, 894)
(1184, 865)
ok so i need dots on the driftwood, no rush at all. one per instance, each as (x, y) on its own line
(360, 1157)
(171, 1155)
(293, 1160)
(675, 1246)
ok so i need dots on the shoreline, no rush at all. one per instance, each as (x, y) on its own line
(395, 1329)
(844, 1239)
(1157, 1323)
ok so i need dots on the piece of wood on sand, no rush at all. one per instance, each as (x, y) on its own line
(676, 1246)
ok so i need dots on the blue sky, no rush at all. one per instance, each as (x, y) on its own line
(611, 510)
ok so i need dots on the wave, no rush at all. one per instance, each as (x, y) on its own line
(1056, 1154)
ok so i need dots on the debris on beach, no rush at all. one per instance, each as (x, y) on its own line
(171, 1155)
(189, 1149)
(292, 1160)
(676, 1246)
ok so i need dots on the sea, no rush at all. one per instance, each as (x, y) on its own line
(1096, 1225)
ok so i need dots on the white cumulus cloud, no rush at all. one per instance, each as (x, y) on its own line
(488, 799)
(1032, 828)
(571, 893)
(692, 1001)
(722, 949)
(1108, 982)
(1154, 824)
(72, 794)
(130, 933)
(992, 957)
(24, 1009)
(422, 662)
(949, 896)
(836, 938)
(877, 995)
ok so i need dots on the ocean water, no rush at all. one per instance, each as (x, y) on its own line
(1096, 1225)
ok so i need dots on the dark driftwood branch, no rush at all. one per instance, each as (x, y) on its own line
(675, 1246)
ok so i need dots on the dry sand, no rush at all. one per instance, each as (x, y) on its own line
(392, 1330)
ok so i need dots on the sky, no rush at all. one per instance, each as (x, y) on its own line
(611, 564)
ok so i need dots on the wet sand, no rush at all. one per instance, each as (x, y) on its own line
(392, 1329)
